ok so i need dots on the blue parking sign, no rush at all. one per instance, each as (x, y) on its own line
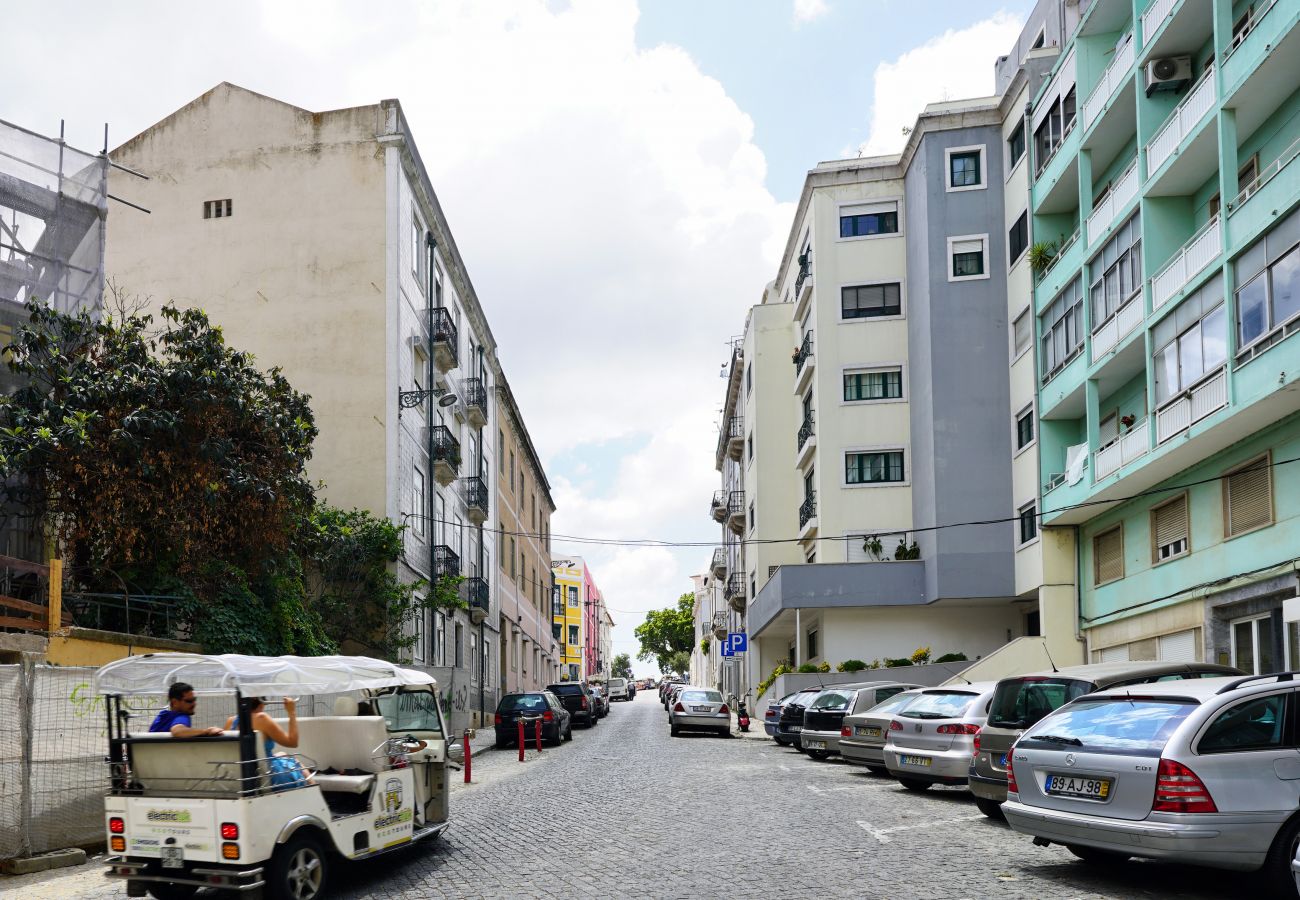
(737, 642)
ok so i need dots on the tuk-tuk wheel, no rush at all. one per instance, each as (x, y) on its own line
(163, 891)
(299, 870)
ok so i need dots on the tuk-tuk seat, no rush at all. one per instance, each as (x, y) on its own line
(167, 766)
(343, 743)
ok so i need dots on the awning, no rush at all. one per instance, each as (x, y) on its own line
(260, 676)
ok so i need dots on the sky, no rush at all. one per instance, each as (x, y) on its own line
(619, 176)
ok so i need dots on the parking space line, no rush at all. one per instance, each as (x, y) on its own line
(883, 834)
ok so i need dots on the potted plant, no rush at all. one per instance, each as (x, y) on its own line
(1041, 255)
(873, 547)
(1127, 420)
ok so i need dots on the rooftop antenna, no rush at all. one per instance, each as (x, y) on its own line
(958, 675)
(1049, 659)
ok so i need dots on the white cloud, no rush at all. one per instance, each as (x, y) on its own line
(952, 66)
(808, 10)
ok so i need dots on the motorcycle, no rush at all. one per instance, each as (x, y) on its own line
(742, 716)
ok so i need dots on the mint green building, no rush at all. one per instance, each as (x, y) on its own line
(1164, 202)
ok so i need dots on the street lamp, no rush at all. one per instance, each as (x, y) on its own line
(412, 399)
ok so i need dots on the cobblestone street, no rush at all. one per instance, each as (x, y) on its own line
(627, 811)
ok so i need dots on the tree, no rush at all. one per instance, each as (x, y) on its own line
(666, 632)
(622, 666)
(677, 663)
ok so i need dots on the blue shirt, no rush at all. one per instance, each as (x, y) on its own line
(167, 718)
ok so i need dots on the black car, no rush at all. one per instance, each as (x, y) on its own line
(790, 725)
(577, 700)
(557, 723)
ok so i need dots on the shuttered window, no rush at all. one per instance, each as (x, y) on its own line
(1178, 647)
(1114, 654)
(1248, 497)
(1169, 526)
(1108, 555)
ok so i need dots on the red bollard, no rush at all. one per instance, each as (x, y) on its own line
(522, 742)
(538, 729)
(468, 756)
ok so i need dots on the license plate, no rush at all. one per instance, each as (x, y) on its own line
(914, 760)
(867, 730)
(814, 745)
(700, 709)
(173, 857)
(796, 728)
(1075, 786)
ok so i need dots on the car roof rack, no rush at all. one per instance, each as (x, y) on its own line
(1280, 676)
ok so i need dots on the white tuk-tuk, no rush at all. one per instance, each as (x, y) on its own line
(184, 813)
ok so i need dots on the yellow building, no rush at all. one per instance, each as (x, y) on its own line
(566, 619)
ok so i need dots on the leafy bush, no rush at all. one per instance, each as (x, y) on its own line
(704, 646)
(897, 663)
(806, 668)
(824, 667)
(920, 656)
(781, 669)
(952, 657)
(851, 665)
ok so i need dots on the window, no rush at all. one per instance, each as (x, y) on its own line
(1051, 132)
(869, 301)
(1025, 428)
(1248, 497)
(1242, 27)
(1061, 326)
(965, 168)
(417, 253)
(417, 502)
(1169, 530)
(812, 644)
(1254, 724)
(417, 632)
(1016, 145)
(869, 219)
(1018, 238)
(501, 451)
(1022, 334)
(216, 209)
(873, 468)
(556, 630)
(1269, 275)
(512, 470)
(749, 446)
(1028, 522)
(573, 597)
(1116, 272)
(1252, 645)
(460, 645)
(1191, 343)
(1040, 40)
(573, 635)
(1108, 556)
(873, 384)
(513, 570)
(749, 380)
(751, 515)
(967, 255)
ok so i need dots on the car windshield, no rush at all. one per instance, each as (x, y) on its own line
(896, 702)
(1130, 726)
(1021, 702)
(701, 697)
(565, 689)
(939, 705)
(830, 701)
(523, 703)
(410, 711)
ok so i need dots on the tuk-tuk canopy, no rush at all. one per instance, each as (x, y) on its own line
(257, 676)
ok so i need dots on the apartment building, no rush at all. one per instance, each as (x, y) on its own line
(530, 651)
(567, 620)
(1165, 191)
(712, 619)
(593, 612)
(316, 241)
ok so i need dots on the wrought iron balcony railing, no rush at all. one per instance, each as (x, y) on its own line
(807, 509)
(805, 270)
(478, 593)
(735, 586)
(736, 503)
(444, 330)
(803, 353)
(719, 563)
(446, 563)
(445, 446)
(805, 431)
(475, 490)
(473, 392)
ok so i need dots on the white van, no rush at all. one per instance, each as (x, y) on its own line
(617, 689)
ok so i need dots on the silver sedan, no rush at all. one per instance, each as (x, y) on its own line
(699, 709)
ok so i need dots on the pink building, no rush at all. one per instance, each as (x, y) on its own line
(592, 664)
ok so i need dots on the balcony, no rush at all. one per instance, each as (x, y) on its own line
(1115, 75)
(805, 441)
(736, 437)
(446, 339)
(474, 394)
(1121, 451)
(1209, 395)
(446, 564)
(1193, 109)
(803, 362)
(718, 566)
(807, 512)
(803, 280)
(1261, 46)
(475, 491)
(1154, 18)
(478, 598)
(735, 592)
(446, 454)
(1119, 326)
(1105, 214)
(1202, 249)
(736, 512)
(1252, 211)
(719, 625)
(718, 507)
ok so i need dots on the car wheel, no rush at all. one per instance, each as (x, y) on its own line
(724, 732)
(299, 869)
(913, 785)
(1277, 865)
(500, 744)
(673, 731)
(1097, 857)
(568, 732)
(990, 808)
(160, 891)
(819, 754)
(877, 770)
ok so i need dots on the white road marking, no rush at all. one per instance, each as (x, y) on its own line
(883, 834)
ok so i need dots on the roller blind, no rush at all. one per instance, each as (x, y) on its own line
(1169, 524)
(1115, 654)
(866, 209)
(1108, 555)
(1250, 497)
(967, 246)
(1178, 647)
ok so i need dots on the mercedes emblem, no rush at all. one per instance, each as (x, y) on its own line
(1069, 759)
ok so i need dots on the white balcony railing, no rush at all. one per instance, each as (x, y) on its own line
(1179, 414)
(1121, 451)
(1185, 117)
(1265, 176)
(1103, 215)
(1117, 327)
(1114, 75)
(1192, 257)
(1154, 17)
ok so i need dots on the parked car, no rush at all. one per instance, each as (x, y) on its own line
(577, 700)
(1199, 771)
(557, 722)
(699, 709)
(930, 740)
(666, 687)
(672, 698)
(823, 720)
(790, 723)
(599, 700)
(1022, 700)
(864, 745)
(772, 715)
(618, 689)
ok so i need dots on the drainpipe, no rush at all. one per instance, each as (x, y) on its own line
(478, 473)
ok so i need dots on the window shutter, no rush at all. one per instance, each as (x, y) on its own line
(1115, 654)
(866, 209)
(1170, 524)
(967, 246)
(1178, 647)
(1250, 497)
(1108, 555)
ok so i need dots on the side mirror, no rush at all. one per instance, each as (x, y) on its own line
(455, 749)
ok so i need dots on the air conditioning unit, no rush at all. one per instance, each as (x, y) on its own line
(1172, 73)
